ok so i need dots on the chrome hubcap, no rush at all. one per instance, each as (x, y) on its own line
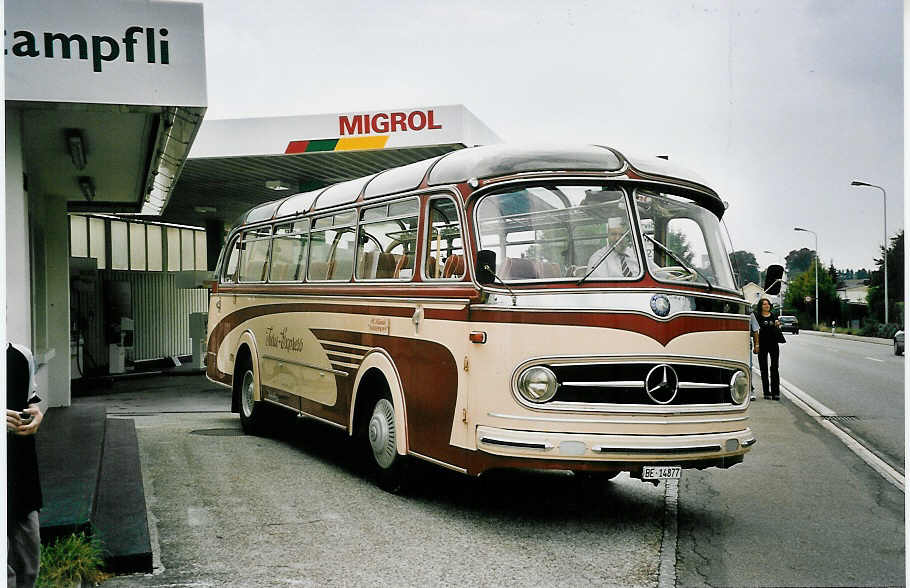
(246, 393)
(381, 433)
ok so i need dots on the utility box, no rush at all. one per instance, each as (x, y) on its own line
(199, 323)
(117, 351)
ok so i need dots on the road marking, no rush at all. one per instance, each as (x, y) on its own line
(666, 572)
(874, 359)
(818, 411)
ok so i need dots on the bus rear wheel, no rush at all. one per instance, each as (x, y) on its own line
(382, 446)
(250, 410)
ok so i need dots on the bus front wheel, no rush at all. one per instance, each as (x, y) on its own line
(382, 446)
(250, 410)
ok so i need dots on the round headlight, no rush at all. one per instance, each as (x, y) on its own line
(537, 384)
(739, 387)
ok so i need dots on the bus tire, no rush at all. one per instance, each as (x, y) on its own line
(251, 410)
(381, 445)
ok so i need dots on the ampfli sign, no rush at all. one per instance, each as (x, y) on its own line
(112, 52)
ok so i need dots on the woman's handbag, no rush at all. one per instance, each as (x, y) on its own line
(780, 335)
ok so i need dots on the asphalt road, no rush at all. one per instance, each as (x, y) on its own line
(296, 509)
(863, 383)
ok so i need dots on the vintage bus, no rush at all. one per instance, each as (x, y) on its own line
(494, 307)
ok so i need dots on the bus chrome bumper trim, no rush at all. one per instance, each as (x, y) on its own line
(597, 446)
(608, 421)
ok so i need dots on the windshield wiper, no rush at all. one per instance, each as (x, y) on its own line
(680, 261)
(601, 260)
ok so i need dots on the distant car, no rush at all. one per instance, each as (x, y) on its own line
(789, 323)
(899, 343)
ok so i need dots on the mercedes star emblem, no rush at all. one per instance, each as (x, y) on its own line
(662, 384)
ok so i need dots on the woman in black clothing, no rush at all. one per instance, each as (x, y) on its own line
(768, 329)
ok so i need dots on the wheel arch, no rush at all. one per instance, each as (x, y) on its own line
(378, 364)
(245, 345)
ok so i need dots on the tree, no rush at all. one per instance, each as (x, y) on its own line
(745, 267)
(862, 274)
(803, 286)
(799, 261)
(875, 297)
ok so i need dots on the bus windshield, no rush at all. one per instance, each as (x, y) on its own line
(560, 232)
(682, 241)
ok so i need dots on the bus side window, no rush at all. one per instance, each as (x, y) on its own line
(289, 252)
(445, 248)
(388, 236)
(332, 244)
(228, 276)
(254, 255)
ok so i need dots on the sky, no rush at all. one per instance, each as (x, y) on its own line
(777, 104)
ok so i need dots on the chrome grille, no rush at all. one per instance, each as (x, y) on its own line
(624, 383)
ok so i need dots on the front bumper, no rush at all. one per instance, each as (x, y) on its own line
(614, 448)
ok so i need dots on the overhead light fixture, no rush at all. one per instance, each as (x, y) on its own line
(88, 187)
(204, 209)
(76, 145)
(277, 185)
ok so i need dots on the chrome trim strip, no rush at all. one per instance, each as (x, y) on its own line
(607, 384)
(372, 300)
(640, 450)
(637, 384)
(306, 415)
(340, 344)
(700, 385)
(437, 462)
(301, 414)
(642, 421)
(344, 354)
(545, 445)
(353, 366)
(306, 365)
(641, 408)
(749, 442)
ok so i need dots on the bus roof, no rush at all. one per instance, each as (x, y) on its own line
(479, 163)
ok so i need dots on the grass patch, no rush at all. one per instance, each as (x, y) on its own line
(71, 560)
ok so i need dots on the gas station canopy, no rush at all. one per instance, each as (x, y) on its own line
(235, 164)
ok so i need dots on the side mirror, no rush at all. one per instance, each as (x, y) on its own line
(773, 277)
(486, 266)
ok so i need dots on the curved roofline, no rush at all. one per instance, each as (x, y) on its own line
(477, 163)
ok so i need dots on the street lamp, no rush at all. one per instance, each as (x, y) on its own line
(816, 268)
(884, 235)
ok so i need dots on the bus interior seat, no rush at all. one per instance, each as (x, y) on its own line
(367, 264)
(431, 267)
(405, 264)
(454, 267)
(518, 268)
(318, 270)
(386, 264)
(549, 269)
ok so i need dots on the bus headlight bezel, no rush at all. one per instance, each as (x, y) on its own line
(537, 384)
(739, 387)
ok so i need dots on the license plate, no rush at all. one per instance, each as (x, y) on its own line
(661, 472)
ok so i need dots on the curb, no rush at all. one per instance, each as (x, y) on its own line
(877, 340)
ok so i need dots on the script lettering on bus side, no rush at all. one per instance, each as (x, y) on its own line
(282, 341)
